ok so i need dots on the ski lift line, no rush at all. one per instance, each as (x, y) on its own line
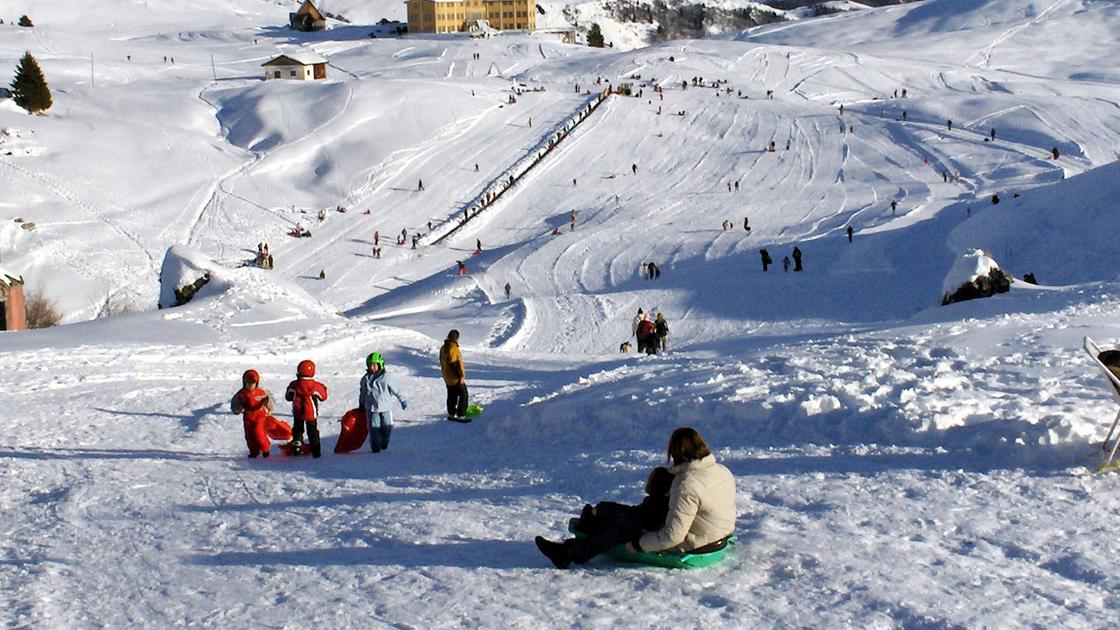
(509, 178)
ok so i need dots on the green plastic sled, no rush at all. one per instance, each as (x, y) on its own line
(473, 411)
(657, 559)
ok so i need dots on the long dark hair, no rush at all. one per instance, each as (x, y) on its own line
(686, 445)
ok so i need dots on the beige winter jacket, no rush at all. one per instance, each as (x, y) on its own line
(701, 508)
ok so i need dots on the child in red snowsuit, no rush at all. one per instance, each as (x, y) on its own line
(254, 404)
(305, 393)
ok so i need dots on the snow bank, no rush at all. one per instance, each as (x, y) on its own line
(1064, 233)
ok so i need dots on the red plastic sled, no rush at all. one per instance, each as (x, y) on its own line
(354, 432)
(277, 429)
(305, 449)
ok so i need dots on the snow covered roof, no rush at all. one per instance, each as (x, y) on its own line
(9, 277)
(299, 57)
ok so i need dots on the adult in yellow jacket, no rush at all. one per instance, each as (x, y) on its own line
(455, 377)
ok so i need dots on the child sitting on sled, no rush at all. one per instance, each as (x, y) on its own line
(609, 524)
(254, 404)
(305, 394)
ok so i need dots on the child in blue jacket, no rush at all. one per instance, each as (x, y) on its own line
(374, 393)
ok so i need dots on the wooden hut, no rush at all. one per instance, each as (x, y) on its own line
(298, 66)
(13, 315)
(307, 18)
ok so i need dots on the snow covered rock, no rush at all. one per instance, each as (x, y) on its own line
(184, 273)
(974, 275)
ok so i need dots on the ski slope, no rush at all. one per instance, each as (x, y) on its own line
(898, 463)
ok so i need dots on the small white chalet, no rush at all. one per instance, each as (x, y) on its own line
(300, 66)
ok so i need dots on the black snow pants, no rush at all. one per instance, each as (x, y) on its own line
(312, 435)
(457, 401)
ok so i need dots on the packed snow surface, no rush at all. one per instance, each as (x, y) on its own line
(898, 463)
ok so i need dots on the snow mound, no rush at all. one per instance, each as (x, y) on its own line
(234, 298)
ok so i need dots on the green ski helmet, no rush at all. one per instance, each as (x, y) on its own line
(375, 358)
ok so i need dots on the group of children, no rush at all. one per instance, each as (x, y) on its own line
(255, 405)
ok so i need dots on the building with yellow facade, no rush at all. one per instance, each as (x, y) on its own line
(454, 16)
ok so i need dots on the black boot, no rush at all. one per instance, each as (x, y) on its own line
(556, 552)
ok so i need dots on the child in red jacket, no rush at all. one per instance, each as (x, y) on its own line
(254, 404)
(305, 393)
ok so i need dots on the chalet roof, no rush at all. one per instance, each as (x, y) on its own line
(308, 8)
(9, 278)
(295, 58)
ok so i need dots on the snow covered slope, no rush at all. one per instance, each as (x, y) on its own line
(897, 463)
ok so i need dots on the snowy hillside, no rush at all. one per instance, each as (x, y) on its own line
(898, 463)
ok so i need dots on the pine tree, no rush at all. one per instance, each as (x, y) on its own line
(25, 21)
(595, 36)
(29, 88)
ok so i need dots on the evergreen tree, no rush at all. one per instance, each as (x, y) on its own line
(29, 88)
(25, 21)
(595, 36)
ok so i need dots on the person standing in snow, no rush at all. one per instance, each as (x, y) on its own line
(455, 377)
(949, 125)
(766, 260)
(374, 391)
(850, 232)
(747, 225)
(508, 290)
(305, 394)
(894, 205)
(647, 335)
(572, 221)
(634, 168)
(661, 328)
(797, 259)
(1054, 153)
(785, 263)
(634, 327)
(420, 185)
(254, 404)
(993, 134)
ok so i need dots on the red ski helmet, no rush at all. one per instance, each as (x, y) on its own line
(306, 368)
(250, 376)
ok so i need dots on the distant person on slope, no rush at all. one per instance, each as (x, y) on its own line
(634, 327)
(661, 327)
(455, 377)
(254, 404)
(305, 394)
(374, 391)
(647, 335)
(766, 260)
(797, 259)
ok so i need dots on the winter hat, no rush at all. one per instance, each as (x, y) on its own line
(250, 376)
(306, 368)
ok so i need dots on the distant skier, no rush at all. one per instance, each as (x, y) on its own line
(993, 134)
(461, 268)
(894, 205)
(949, 125)
(374, 392)
(572, 221)
(766, 260)
(420, 185)
(1054, 153)
(785, 263)
(508, 290)
(477, 246)
(377, 237)
(634, 168)
(254, 404)
(850, 232)
(747, 225)
(797, 259)
(305, 394)
(995, 199)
